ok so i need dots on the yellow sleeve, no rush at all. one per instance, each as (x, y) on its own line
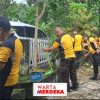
(4, 54)
(91, 50)
(55, 44)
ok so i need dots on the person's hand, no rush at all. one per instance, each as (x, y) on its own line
(97, 51)
(44, 49)
(47, 49)
(86, 55)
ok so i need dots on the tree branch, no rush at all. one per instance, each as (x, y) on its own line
(43, 10)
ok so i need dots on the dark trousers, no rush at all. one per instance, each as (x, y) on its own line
(78, 56)
(67, 71)
(5, 92)
(95, 64)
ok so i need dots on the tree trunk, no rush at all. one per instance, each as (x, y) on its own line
(36, 38)
(38, 17)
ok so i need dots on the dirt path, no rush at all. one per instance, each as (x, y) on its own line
(88, 89)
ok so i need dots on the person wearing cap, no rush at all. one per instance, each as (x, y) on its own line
(67, 55)
(11, 51)
(92, 48)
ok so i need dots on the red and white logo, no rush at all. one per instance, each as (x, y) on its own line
(49, 89)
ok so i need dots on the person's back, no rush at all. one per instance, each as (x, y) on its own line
(67, 44)
(78, 43)
(78, 49)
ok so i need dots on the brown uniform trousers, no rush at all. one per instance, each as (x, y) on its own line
(68, 71)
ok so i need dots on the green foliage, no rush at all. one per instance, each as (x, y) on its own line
(17, 12)
(79, 16)
(68, 14)
(30, 16)
(4, 4)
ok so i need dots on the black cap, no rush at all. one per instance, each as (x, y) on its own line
(5, 24)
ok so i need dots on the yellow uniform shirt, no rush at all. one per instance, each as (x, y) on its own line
(5, 53)
(78, 43)
(64, 43)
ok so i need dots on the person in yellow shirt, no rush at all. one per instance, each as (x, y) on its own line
(95, 52)
(67, 55)
(96, 38)
(10, 57)
(77, 47)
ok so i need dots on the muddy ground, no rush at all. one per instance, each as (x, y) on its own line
(88, 89)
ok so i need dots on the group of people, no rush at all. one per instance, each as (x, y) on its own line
(71, 49)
